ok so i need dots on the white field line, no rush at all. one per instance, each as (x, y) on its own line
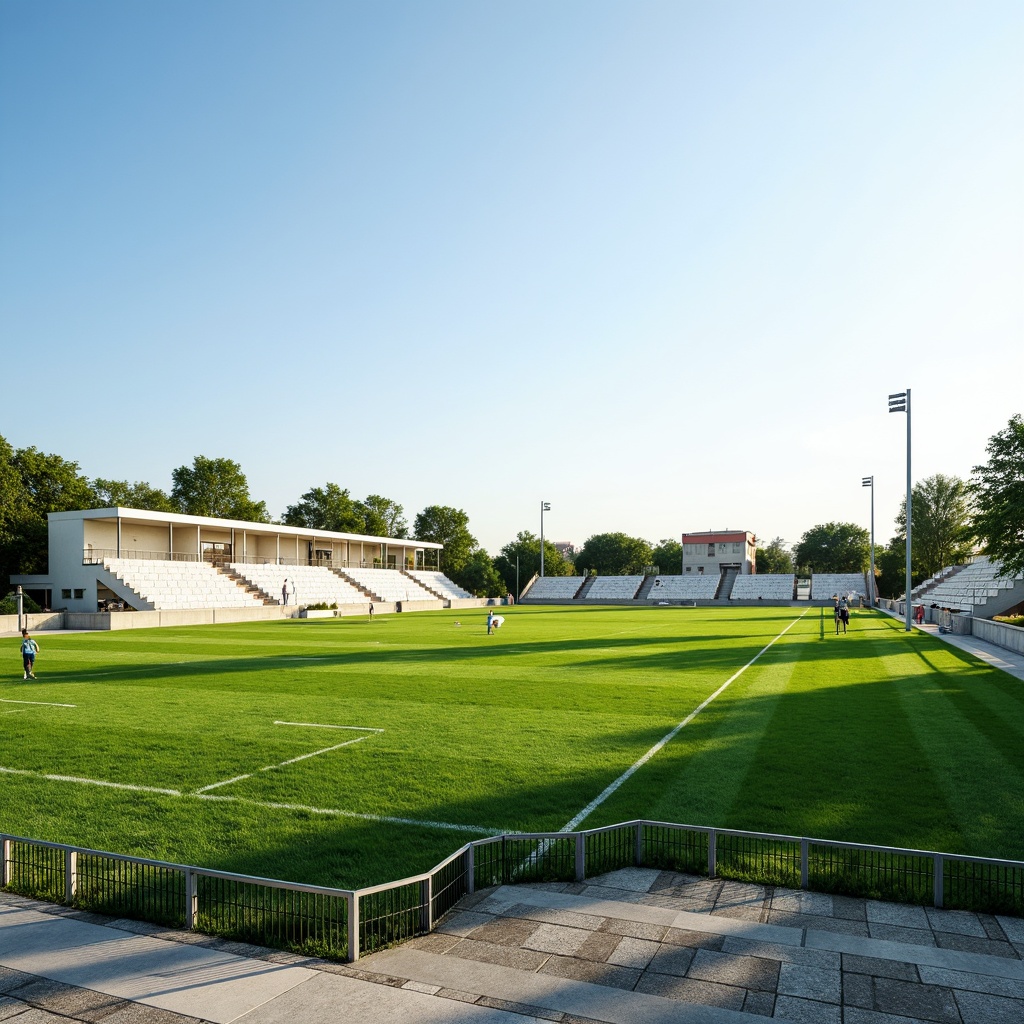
(318, 725)
(612, 787)
(91, 782)
(331, 811)
(336, 812)
(41, 703)
(315, 753)
(292, 760)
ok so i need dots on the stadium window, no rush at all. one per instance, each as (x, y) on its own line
(79, 594)
(66, 594)
(711, 551)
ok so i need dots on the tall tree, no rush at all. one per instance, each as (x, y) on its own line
(942, 530)
(132, 495)
(998, 490)
(834, 547)
(383, 517)
(32, 484)
(480, 577)
(449, 526)
(327, 508)
(614, 554)
(217, 488)
(891, 566)
(773, 557)
(668, 557)
(526, 548)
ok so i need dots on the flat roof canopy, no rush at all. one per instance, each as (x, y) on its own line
(141, 515)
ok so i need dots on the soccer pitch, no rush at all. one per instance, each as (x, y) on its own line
(347, 752)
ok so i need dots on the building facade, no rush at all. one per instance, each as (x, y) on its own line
(717, 550)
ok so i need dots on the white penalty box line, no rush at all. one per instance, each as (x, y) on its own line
(302, 757)
(665, 740)
(38, 703)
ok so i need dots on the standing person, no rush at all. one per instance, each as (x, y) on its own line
(844, 616)
(29, 650)
(284, 592)
(371, 611)
(490, 621)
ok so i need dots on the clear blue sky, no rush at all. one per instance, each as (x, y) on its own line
(657, 263)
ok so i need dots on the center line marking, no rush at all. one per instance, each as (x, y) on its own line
(41, 703)
(612, 787)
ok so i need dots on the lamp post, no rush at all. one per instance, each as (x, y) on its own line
(900, 402)
(869, 481)
(545, 506)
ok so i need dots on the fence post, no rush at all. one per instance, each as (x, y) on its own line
(581, 857)
(70, 875)
(471, 867)
(5, 871)
(191, 899)
(426, 903)
(803, 863)
(938, 886)
(712, 852)
(353, 927)
(639, 858)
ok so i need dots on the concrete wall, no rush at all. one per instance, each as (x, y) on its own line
(40, 620)
(1001, 633)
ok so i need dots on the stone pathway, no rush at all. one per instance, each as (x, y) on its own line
(697, 943)
(636, 945)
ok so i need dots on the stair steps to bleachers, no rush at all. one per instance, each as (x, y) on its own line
(241, 581)
(587, 585)
(724, 591)
(646, 587)
(368, 594)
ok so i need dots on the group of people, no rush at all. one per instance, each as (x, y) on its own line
(494, 622)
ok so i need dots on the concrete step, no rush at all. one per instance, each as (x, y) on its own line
(647, 945)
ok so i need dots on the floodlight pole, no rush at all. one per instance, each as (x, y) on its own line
(869, 481)
(19, 596)
(900, 402)
(545, 506)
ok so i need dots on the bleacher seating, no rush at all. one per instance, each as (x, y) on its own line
(555, 588)
(439, 583)
(611, 588)
(389, 585)
(973, 585)
(826, 585)
(314, 584)
(763, 587)
(170, 585)
(689, 587)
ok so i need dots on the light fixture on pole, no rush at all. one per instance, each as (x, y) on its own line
(900, 402)
(545, 506)
(869, 481)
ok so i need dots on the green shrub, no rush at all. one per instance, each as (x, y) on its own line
(9, 605)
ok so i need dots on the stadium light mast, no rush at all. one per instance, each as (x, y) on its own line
(869, 481)
(900, 402)
(545, 506)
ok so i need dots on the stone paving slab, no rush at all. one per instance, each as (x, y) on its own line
(930, 956)
(598, 1002)
(328, 998)
(186, 979)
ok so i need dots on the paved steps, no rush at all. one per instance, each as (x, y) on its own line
(646, 945)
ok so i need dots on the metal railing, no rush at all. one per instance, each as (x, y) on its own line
(342, 924)
(96, 556)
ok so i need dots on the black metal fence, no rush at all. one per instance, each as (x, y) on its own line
(323, 922)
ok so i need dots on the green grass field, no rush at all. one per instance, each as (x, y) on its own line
(450, 734)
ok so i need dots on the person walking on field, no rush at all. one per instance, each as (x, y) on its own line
(284, 592)
(371, 611)
(29, 650)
